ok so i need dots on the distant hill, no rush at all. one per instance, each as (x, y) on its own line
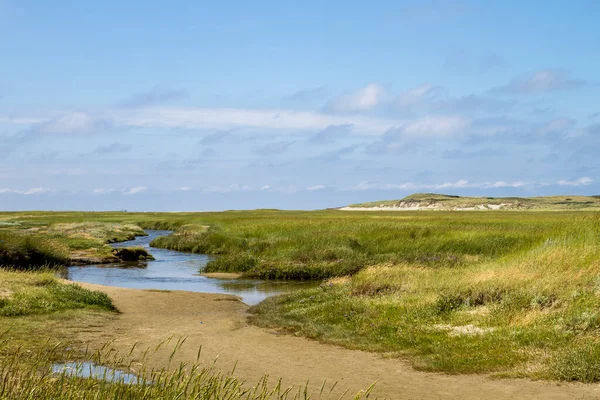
(443, 202)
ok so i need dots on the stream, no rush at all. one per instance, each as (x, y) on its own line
(174, 270)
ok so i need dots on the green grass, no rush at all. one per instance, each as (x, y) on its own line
(27, 293)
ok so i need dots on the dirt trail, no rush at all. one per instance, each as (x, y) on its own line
(218, 323)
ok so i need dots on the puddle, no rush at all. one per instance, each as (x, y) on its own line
(91, 370)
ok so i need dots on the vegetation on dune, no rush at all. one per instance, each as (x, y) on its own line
(449, 202)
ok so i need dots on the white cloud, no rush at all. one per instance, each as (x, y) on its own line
(363, 99)
(248, 188)
(315, 187)
(264, 121)
(503, 184)
(69, 123)
(231, 188)
(36, 190)
(20, 120)
(433, 99)
(585, 181)
(458, 184)
(135, 190)
(185, 188)
(26, 192)
(231, 118)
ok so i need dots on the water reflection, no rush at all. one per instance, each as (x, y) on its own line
(172, 270)
(91, 370)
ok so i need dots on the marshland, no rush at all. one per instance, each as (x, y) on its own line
(502, 298)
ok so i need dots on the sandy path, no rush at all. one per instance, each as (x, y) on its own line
(218, 323)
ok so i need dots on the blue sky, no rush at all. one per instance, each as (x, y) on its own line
(192, 105)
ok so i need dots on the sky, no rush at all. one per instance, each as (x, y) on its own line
(205, 105)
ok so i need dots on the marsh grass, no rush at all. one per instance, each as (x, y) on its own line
(504, 293)
(320, 245)
(531, 313)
